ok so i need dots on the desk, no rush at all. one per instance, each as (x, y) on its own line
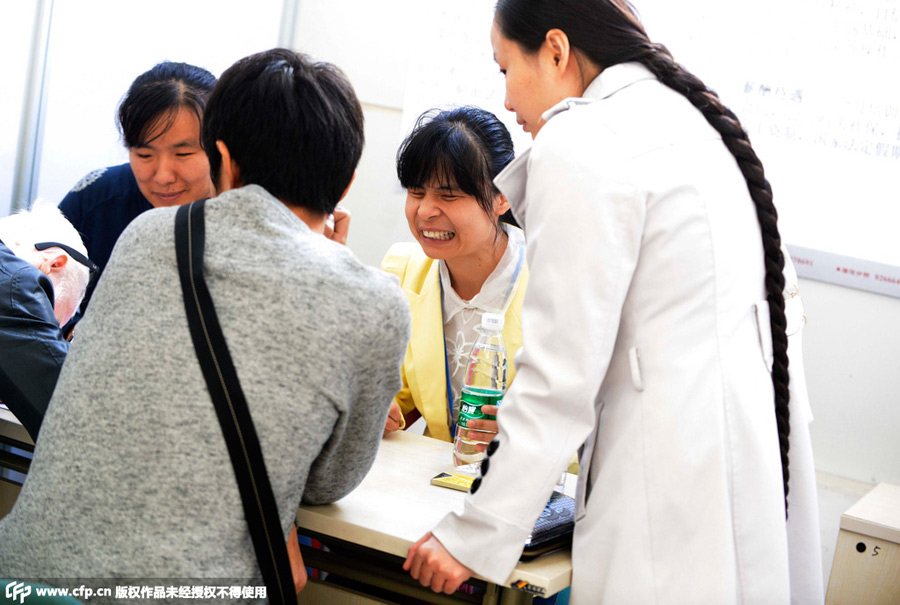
(11, 429)
(13, 434)
(866, 566)
(392, 508)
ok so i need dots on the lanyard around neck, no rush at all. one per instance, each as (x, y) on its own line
(450, 421)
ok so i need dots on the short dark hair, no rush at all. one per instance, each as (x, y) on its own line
(294, 127)
(156, 96)
(465, 147)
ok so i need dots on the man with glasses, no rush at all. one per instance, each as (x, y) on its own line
(43, 276)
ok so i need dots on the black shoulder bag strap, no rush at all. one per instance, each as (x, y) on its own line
(231, 407)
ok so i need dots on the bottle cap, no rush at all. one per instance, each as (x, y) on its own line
(492, 321)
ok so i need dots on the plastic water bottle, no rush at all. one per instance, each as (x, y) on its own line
(484, 384)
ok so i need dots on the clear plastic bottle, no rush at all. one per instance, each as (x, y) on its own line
(484, 384)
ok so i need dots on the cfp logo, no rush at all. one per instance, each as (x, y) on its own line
(17, 590)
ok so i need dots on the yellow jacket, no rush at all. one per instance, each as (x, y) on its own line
(424, 378)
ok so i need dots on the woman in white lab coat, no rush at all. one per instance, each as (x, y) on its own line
(654, 328)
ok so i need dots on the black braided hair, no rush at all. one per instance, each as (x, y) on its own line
(608, 32)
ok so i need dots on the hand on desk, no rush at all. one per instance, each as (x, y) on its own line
(484, 424)
(433, 566)
(393, 419)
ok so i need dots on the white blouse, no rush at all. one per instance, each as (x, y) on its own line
(461, 317)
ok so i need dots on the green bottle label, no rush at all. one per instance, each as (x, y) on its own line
(470, 405)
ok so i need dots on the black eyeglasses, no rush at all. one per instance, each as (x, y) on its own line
(75, 254)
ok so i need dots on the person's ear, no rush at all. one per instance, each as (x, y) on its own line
(229, 171)
(53, 262)
(352, 178)
(557, 49)
(501, 205)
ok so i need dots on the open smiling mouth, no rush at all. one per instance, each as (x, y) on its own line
(439, 235)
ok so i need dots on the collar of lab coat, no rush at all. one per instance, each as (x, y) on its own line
(513, 179)
(613, 79)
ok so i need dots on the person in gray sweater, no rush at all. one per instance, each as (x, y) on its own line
(131, 478)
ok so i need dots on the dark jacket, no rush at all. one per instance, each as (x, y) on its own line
(100, 206)
(32, 347)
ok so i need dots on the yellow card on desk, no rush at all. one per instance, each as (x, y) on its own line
(459, 482)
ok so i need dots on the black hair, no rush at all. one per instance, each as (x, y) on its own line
(464, 147)
(155, 97)
(294, 127)
(608, 32)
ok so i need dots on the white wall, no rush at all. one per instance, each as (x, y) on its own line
(16, 23)
(852, 353)
(852, 341)
(373, 52)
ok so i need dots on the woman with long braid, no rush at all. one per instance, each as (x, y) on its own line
(654, 328)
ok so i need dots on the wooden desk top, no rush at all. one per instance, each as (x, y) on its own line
(877, 514)
(12, 428)
(396, 504)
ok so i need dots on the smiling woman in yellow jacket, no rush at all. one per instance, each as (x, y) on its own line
(466, 262)
(424, 390)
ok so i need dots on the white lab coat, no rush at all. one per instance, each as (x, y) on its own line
(646, 338)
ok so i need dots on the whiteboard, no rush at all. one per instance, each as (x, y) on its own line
(814, 82)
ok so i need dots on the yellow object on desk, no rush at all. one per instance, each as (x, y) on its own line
(461, 482)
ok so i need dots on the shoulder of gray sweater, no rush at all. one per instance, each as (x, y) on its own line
(369, 293)
(153, 220)
(147, 233)
(378, 302)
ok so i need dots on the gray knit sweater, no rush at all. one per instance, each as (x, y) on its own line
(131, 477)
